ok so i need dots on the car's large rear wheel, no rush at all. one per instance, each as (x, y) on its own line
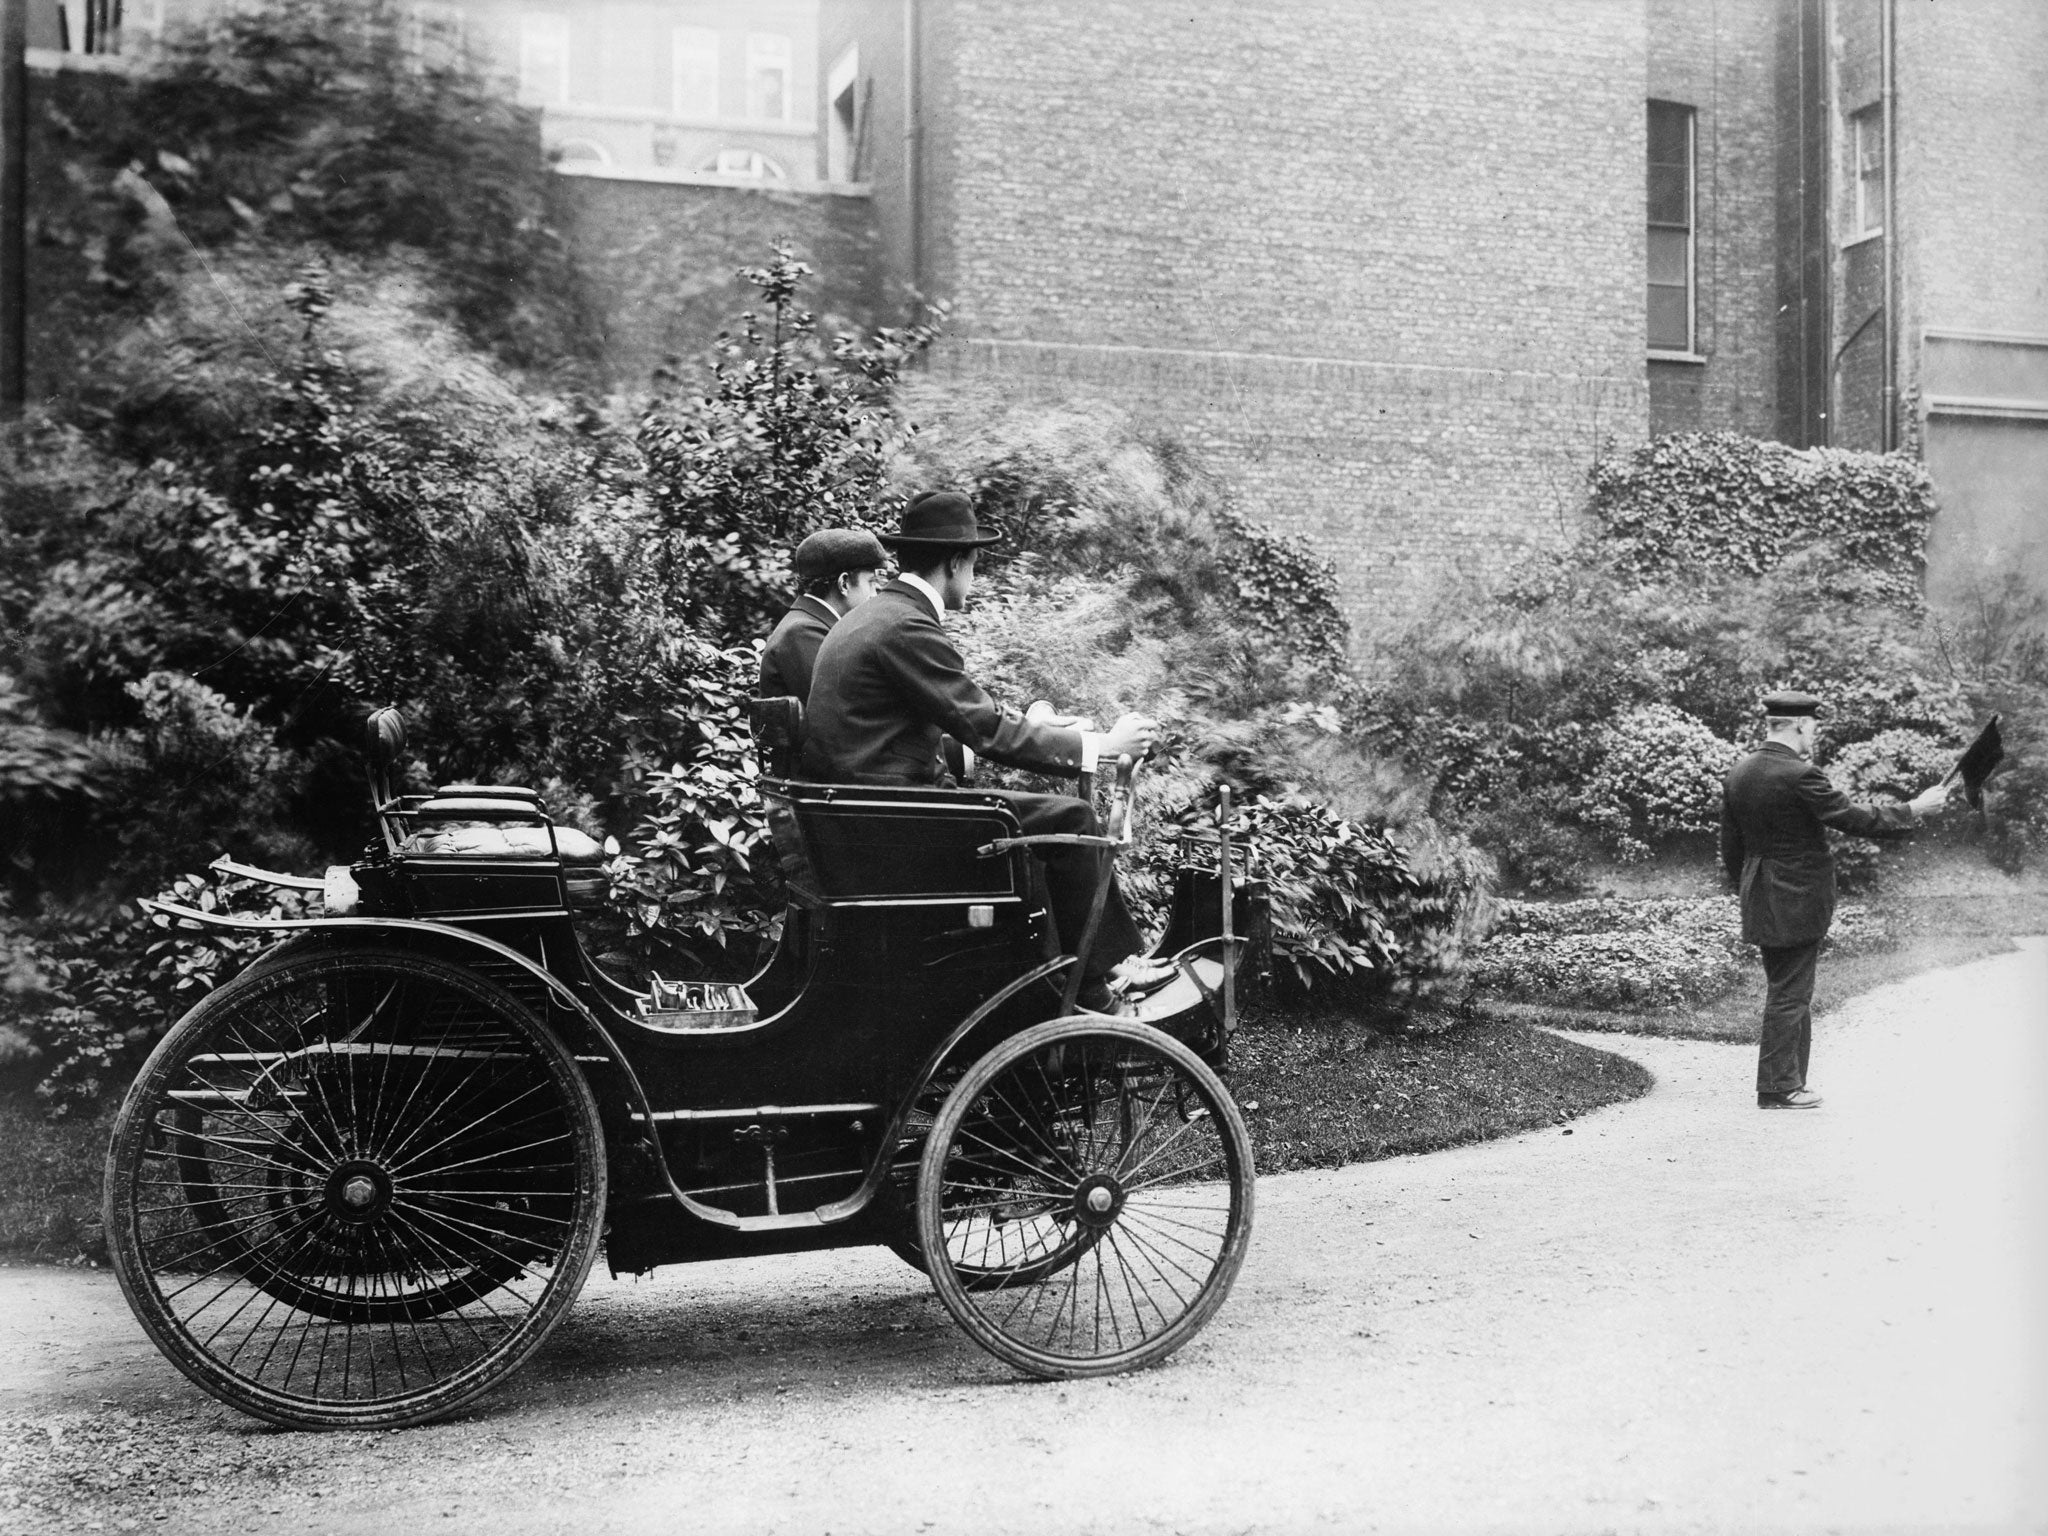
(355, 1188)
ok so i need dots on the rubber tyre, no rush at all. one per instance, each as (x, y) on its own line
(236, 1214)
(1065, 1112)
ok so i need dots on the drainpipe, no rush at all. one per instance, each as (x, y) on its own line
(1888, 89)
(912, 134)
(13, 206)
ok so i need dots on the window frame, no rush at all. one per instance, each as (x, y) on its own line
(771, 50)
(679, 39)
(1866, 135)
(1690, 229)
(531, 23)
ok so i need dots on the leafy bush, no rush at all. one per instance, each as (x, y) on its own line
(1896, 764)
(1719, 501)
(794, 435)
(1348, 904)
(1660, 774)
(1613, 953)
(320, 123)
(83, 1003)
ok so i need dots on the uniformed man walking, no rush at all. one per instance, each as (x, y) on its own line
(835, 570)
(1775, 811)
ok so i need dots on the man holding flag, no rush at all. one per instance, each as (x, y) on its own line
(1776, 807)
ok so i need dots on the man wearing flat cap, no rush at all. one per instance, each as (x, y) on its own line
(835, 571)
(1776, 808)
(889, 684)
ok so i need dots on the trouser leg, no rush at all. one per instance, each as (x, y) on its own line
(1070, 877)
(1787, 1041)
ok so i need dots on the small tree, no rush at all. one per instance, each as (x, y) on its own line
(794, 435)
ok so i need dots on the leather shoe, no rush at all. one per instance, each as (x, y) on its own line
(1095, 997)
(1798, 1098)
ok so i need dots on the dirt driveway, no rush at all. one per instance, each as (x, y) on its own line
(1682, 1315)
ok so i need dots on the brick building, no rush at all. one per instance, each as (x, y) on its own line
(1400, 268)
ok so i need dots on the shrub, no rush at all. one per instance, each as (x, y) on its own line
(1718, 501)
(85, 1002)
(1613, 953)
(319, 123)
(1348, 904)
(794, 435)
(1893, 764)
(1660, 775)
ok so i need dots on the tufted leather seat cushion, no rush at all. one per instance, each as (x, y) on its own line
(582, 855)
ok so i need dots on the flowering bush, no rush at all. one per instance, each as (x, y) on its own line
(1660, 774)
(1897, 763)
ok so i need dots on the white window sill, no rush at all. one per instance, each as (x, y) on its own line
(1864, 238)
(1677, 357)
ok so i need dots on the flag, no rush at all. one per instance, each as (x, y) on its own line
(1977, 761)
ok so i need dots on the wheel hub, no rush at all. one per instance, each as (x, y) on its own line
(1098, 1200)
(358, 1191)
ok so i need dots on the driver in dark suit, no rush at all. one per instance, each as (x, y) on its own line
(888, 684)
(1776, 808)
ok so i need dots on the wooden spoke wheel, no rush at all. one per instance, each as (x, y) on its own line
(1085, 1198)
(355, 1188)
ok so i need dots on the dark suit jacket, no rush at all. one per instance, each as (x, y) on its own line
(889, 683)
(792, 648)
(1775, 809)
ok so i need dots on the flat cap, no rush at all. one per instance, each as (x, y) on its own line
(832, 550)
(1790, 701)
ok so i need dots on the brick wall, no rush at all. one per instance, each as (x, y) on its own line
(1719, 60)
(1384, 263)
(659, 258)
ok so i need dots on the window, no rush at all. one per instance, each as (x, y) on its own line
(750, 163)
(433, 36)
(1866, 146)
(544, 56)
(695, 51)
(1671, 228)
(768, 56)
(842, 120)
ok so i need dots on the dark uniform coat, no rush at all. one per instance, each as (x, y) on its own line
(792, 648)
(888, 684)
(1775, 809)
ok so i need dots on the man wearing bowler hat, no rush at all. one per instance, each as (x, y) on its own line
(888, 684)
(835, 571)
(1776, 808)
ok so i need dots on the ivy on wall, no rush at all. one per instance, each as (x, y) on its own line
(1717, 501)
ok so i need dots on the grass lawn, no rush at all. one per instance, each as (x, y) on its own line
(1321, 1092)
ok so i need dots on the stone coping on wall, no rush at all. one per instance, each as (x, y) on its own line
(1229, 367)
(663, 177)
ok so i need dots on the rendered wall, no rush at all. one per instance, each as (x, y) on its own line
(1973, 217)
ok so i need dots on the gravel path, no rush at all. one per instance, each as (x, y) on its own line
(1682, 1314)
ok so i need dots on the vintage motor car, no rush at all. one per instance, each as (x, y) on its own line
(357, 1184)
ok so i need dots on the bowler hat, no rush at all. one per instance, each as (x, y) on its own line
(832, 550)
(942, 520)
(1787, 702)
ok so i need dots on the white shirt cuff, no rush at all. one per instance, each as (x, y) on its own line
(1091, 750)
